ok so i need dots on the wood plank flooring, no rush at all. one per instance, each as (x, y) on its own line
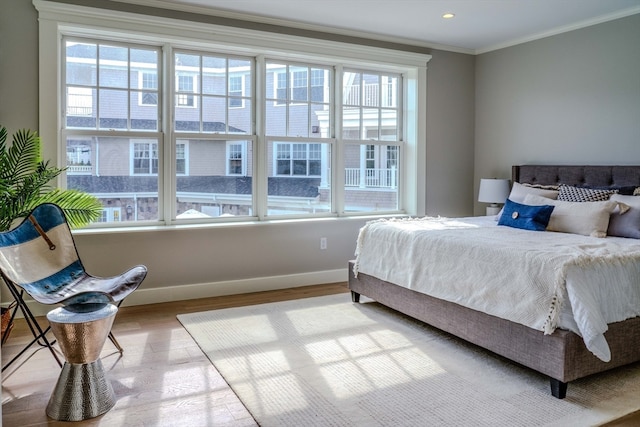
(161, 379)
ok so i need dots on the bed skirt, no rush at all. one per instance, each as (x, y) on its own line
(561, 355)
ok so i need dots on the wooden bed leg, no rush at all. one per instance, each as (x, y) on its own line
(355, 297)
(558, 388)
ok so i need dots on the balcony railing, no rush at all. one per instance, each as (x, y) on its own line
(79, 169)
(371, 96)
(373, 178)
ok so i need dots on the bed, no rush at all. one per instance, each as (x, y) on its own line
(555, 346)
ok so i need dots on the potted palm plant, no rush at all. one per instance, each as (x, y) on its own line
(26, 182)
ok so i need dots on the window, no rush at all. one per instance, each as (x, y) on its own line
(181, 159)
(110, 215)
(145, 158)
(149, 84)
(298, 159)
(79, 102)
(172, 126)
(236, 155)
(184, 95)
(371, 112)
(299, 88)
(235, 91)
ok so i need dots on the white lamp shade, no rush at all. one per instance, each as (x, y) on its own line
(493, 190)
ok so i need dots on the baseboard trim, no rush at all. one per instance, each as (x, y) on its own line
(144, 296)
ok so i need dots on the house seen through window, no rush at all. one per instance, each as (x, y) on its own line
(123, 147)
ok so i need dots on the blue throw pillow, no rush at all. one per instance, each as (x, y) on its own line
(527, 217)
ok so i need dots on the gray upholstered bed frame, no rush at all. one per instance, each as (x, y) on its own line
(561, 355)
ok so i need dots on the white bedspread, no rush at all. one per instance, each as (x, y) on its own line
(542, 280)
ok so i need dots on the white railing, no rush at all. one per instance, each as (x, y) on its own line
(371, 96)
(373, 178)
(79, 169)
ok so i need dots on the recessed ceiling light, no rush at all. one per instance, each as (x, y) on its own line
(448, 15)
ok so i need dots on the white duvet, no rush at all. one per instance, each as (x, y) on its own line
(542, 280)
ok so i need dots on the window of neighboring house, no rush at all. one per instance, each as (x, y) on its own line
(370, 156)
(235, 156)
(235, 92)
(145, 158)
(149, 86)
(186, 88)
(298, 159)
(181, 159)
(299, 88)
(110, 215)
(292, 141)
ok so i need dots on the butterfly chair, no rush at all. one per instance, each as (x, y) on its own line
(39, 257)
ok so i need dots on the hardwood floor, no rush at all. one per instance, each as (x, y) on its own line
(161, 379)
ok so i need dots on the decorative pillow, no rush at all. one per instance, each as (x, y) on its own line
(541, 186)
(533, 218)
(568, 193)
(519, 192)
(627, 190)
(625, 223)
(586, 218)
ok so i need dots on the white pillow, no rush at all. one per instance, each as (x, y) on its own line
(586, 218)
(519, 192)
(625, 223)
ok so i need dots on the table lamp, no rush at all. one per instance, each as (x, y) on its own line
(494, 191)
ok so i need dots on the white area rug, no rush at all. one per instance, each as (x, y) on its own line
(326, 361)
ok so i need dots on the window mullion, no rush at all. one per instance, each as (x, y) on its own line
(261, 160)
(338, 151)
(167, 199)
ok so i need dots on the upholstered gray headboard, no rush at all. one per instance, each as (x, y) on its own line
(587, 176)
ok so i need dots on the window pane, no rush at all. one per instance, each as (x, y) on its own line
(299, 181)
(215, 186)
(240, 119)
(144, 117)
(299, 120)
(226, 103)
(81, 60)
(81, 111)
(113, 62)
(276, 120)
(186, 113)
(116, 90)
(113, 109)
(371, 106)
(121, 172)
(214, 71)
(371, 177)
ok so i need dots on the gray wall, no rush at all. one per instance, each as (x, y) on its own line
(184, 263)
(573, 98)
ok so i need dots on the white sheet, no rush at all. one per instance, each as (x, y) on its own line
(542, 280)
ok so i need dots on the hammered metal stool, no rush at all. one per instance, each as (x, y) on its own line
(82, 390)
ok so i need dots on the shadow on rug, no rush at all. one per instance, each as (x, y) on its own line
(326, 361)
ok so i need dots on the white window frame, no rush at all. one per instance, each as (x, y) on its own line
(292, 158)
(243, 158)
(150, 144)
(144, 90)
(190, 95)
(236, 96)
(56, 20)
(185, 152)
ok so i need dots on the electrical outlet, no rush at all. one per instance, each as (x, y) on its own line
(323, 243)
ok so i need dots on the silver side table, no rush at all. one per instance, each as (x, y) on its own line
(82, 390)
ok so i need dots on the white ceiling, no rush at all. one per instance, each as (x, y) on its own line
(479, 25)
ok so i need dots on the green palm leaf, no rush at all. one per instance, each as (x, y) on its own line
(25, 182)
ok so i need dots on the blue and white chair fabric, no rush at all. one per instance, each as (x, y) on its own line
(39, 256)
